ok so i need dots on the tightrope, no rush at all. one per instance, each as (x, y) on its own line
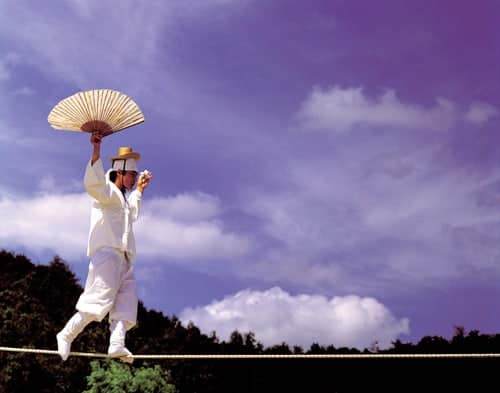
(267, 356)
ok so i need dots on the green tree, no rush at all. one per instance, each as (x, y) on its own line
(111, 376)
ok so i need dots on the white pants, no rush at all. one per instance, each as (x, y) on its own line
(110, 288)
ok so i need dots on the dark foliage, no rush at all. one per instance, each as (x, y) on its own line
(36, 301)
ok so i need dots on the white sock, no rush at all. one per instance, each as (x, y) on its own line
(72, 329)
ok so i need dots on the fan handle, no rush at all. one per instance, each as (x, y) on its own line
(97, 126)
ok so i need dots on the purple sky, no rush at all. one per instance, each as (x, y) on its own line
(324, 171)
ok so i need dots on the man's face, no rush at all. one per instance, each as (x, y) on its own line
(128, 179)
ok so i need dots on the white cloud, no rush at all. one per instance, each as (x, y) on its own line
(343, 109)
(187, 207)
(47, 222)
(182, 227)
(363, 226)
(67, 23)
(276, 316)
(186, 226)
(480, 112)
(112, 43)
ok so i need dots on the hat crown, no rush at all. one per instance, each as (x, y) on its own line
(124, 150)
(124, 153)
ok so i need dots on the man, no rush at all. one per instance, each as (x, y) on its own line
(110, 287)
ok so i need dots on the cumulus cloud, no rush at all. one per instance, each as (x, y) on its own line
(343, 109)
(480, 112)
(380, 224)
(47, 222)
(275, 316)
(185, 226)
(187, 207)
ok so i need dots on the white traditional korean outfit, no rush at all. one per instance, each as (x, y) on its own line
(110, 286)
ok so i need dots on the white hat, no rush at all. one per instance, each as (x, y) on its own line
(125, 165)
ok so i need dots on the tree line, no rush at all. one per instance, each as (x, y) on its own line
(36, 300)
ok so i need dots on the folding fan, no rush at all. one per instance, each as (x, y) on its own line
(103, 110)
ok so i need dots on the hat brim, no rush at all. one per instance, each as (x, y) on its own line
(134, 155)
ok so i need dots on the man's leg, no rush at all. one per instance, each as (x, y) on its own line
(96, 300)
(72, 329)
(123, 315)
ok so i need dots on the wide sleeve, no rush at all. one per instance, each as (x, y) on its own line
(95, 182)
(134, 201)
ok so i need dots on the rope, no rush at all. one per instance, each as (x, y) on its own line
(269, 356)
(50, 352)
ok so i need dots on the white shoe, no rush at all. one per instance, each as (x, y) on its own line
(72, 329)
(63, 346)
(117, 342)
(119, 351)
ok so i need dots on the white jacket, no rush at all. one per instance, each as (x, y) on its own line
(112, 214)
